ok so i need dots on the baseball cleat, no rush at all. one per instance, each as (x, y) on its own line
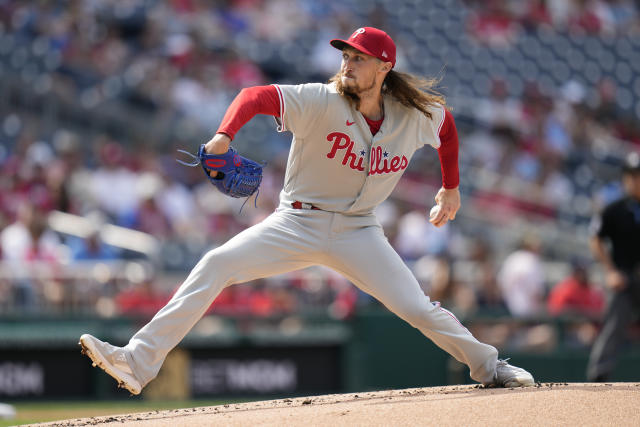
(510, 376)
(112, 360)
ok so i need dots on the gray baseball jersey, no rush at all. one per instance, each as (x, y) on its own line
(334, 162)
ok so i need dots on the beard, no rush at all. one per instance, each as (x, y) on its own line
(353, 88)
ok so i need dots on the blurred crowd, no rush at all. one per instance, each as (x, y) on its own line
(99, 95)
(499, 21)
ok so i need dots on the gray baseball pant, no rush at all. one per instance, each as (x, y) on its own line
(291, 239)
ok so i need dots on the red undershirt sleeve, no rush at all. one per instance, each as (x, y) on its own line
(249, 102)
(448, 152)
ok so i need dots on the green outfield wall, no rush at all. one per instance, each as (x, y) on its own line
(40, 358)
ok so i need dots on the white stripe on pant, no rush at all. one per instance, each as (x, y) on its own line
(291, 239)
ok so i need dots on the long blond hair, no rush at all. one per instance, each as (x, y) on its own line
(409, 90)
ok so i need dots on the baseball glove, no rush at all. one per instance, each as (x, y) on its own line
(237, 175)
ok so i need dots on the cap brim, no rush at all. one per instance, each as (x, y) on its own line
(340, 44)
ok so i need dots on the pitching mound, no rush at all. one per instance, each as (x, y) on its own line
(613, 404)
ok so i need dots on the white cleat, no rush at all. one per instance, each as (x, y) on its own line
(112, 360)
(510, 376)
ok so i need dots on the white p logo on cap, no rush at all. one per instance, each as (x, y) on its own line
(357, 32)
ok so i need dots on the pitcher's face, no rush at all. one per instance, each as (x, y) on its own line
(358, 71)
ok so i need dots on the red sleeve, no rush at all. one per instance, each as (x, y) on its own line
(448, 152)
(249, 102)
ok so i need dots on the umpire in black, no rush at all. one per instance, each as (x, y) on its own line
(616, 244)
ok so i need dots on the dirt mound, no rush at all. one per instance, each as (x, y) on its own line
(545, 404)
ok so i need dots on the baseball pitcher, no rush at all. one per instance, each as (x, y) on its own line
(352, 140)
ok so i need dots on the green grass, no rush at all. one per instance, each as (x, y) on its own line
(38, 412)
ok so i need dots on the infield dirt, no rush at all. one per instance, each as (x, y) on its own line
(548, 404)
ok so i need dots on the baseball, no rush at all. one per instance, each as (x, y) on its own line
(434, 212)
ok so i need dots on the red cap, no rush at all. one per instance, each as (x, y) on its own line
(371, 41)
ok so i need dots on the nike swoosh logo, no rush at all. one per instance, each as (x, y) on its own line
(349, 123)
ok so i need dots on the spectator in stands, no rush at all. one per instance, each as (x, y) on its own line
(493, 24)
(536, 14)
(500, 112)
(580, 303)
(27, 240)
(92, 247)
(149, 218)
(447, 290)
(586, 17)
(521, 279)
(609, 117)
(73, 174)
(488, 294)
(113, 184)
(576, 294)
(607, 111)
(618, 225)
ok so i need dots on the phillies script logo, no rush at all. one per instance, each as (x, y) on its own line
(380, 160)
(381, 163)
(341, 141)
